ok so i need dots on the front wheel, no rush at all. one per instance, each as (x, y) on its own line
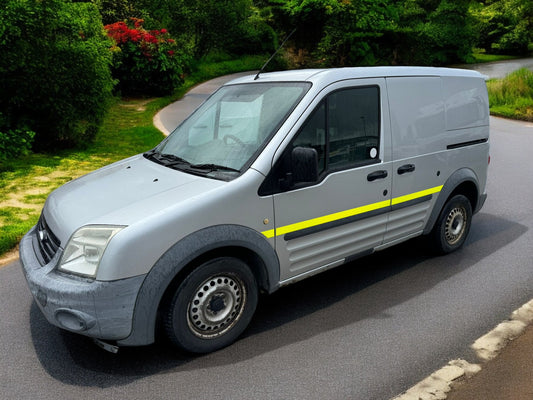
(212, 306)
(453, 225)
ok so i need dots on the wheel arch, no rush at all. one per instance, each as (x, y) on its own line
(462, 181)
(217, 241)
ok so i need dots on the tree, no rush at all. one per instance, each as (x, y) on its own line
(366, 32)
(504, 26)
(234, 26)
(436, 32)
(353, 31)
(54, 70)
(448, 33)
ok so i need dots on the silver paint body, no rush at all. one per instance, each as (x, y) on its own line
(171, 217)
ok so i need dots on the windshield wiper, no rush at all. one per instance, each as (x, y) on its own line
(213, 167)
(165, 159)
(171, 160)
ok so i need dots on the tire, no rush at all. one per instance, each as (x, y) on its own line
(453, 225)
(212, 306)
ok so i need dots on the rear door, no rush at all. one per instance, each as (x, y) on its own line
(343, 213)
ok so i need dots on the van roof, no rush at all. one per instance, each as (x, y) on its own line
(336, 74)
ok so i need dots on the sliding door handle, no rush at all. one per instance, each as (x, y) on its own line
(406, 168)
(376, 175)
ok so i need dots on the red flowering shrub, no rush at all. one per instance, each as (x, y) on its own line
(145, 62)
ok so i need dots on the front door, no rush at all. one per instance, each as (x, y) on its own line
(343, 213)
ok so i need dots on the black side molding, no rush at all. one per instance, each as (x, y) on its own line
(334, 224)
(465, 144)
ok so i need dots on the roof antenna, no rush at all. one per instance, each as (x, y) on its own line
(273, 55)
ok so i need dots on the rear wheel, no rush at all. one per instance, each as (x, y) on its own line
(453, 225)
(212, 306)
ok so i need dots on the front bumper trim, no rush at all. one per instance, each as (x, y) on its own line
(98, 309)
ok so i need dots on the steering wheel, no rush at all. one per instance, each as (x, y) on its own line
(234, 138)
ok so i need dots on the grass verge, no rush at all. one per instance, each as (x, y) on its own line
(26, 182)
(481, 57)
(512, 96)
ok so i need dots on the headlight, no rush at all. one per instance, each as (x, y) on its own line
(85, 249)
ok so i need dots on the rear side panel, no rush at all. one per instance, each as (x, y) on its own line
(439, 126)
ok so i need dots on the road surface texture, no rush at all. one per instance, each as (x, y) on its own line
(499, 69)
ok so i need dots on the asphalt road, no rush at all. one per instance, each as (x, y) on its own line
(499, 69)
(367, 330)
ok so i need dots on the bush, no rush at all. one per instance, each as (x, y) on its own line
(54, 70)
(254, 36)
(14, 143)
(117, 10)
(145, 62)
(504, 26)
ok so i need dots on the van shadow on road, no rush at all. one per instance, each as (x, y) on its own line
(364, 289)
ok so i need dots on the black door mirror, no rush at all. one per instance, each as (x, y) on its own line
(304, 165)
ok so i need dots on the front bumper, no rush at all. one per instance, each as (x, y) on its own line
(98, 309)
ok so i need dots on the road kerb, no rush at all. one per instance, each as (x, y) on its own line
(437, 385)
(9, 257)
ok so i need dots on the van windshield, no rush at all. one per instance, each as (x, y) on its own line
(227, 132)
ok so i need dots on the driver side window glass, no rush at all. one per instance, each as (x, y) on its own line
(344, 130)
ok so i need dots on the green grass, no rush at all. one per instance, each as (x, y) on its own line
(482, 57)
(25, 183)
(512, 96)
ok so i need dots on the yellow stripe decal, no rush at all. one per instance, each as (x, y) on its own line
(416, 195)
(282, 230)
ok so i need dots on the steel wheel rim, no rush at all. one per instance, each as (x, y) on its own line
(455, 225)
(216, 305)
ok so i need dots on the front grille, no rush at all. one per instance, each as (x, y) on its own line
(47, 241)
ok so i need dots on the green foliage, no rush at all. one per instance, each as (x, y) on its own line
(366, 32)
(117, 10)
(215, 65)
(447, 35)
(437, 32)
(512, 96)
(14, 143)
(54, 70)
(504, 26)
(483, 57)
(18, 223)
(353, 31)
(145, 62)
(253, 36)
(206, 25)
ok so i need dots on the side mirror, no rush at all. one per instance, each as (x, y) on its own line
(304, 165)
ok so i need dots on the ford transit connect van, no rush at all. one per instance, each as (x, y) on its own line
(269, 181)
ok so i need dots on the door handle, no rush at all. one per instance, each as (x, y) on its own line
(376, 175)
(406, 168)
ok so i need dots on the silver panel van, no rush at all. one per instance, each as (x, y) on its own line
(271, 180)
